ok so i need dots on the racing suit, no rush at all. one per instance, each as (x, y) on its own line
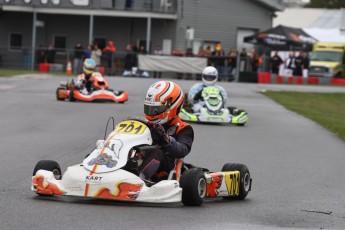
(160, 162)
(84, 83)
(194, 96)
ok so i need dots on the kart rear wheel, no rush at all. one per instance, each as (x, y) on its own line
(245, 180)
(48, 165)
(193, 184)
(58, 96)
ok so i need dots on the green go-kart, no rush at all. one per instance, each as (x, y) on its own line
(213, 110)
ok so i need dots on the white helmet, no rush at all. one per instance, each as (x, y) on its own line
(209, 75)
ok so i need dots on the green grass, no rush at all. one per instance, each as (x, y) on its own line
(327, 109)
(14, 72)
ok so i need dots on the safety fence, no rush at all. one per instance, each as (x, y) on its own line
(268, 78)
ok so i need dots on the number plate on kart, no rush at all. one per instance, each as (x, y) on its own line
(130, 127)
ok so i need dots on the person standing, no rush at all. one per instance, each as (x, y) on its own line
(306, 64)
(290, 64)
(78, 58)
(219, 60)
(232, 63)
(88, 52)
(50, 53)
(298, 71)
(96, 55)
(109, 51)
(275, 63)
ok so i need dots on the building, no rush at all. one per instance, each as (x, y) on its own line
(26, 25)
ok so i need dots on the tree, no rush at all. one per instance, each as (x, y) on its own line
(330, 4)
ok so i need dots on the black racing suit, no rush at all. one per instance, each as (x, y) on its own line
(162, 161)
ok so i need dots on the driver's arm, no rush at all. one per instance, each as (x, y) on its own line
(181, 144)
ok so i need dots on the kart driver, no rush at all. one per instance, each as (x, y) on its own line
(84, 80)
(163, 102)
(209, 78)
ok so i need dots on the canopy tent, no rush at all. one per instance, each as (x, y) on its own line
(282, 38)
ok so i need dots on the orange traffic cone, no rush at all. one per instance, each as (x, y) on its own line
(69, 68)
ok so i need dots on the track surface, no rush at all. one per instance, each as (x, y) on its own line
(295, 164)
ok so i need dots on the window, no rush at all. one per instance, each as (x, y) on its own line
(101, 42)
(16, 41)
(60, 42)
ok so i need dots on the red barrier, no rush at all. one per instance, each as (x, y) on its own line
(264, 77)
(313, 80)
(338, 81)
(290, 80)
(299, 80)
(43, 67)
(280, 79)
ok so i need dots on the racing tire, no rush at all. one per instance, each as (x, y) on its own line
(193, 184)
(71, 95)
(48, 165)
(245, 180)
(57, 94)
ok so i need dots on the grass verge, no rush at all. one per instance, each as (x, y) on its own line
(327, 109)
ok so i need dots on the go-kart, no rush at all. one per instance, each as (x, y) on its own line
(99, 92)
(110, 172)
(213, 110)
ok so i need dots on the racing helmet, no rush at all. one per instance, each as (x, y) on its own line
(89, 66)
(163, 102)
(209, 75)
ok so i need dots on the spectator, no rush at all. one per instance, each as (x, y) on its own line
(255, 60)
(290, 64)
(142, 50)
(232, 63)
(78, 58)
(275, 63)
(40, 55)
(88, 51)
(109, 51)
(96, 55)
(157, 51)
(298, 71)
(243, 53)
(306, 63)
(219, 60)
(50, 53)
(130, 61)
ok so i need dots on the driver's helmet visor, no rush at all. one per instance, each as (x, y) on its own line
(153, 110)
(208, 77)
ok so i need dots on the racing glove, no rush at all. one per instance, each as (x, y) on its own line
(159, 135)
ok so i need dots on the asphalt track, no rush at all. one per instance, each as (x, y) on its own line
(297, 166)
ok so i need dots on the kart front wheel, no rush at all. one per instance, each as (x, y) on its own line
(193, 184)
(48, 165)
(245, 180)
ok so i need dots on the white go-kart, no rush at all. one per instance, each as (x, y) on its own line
(110, 172)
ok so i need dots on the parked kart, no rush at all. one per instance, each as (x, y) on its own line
(111, 172)
(213, 110)
(100, 92)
